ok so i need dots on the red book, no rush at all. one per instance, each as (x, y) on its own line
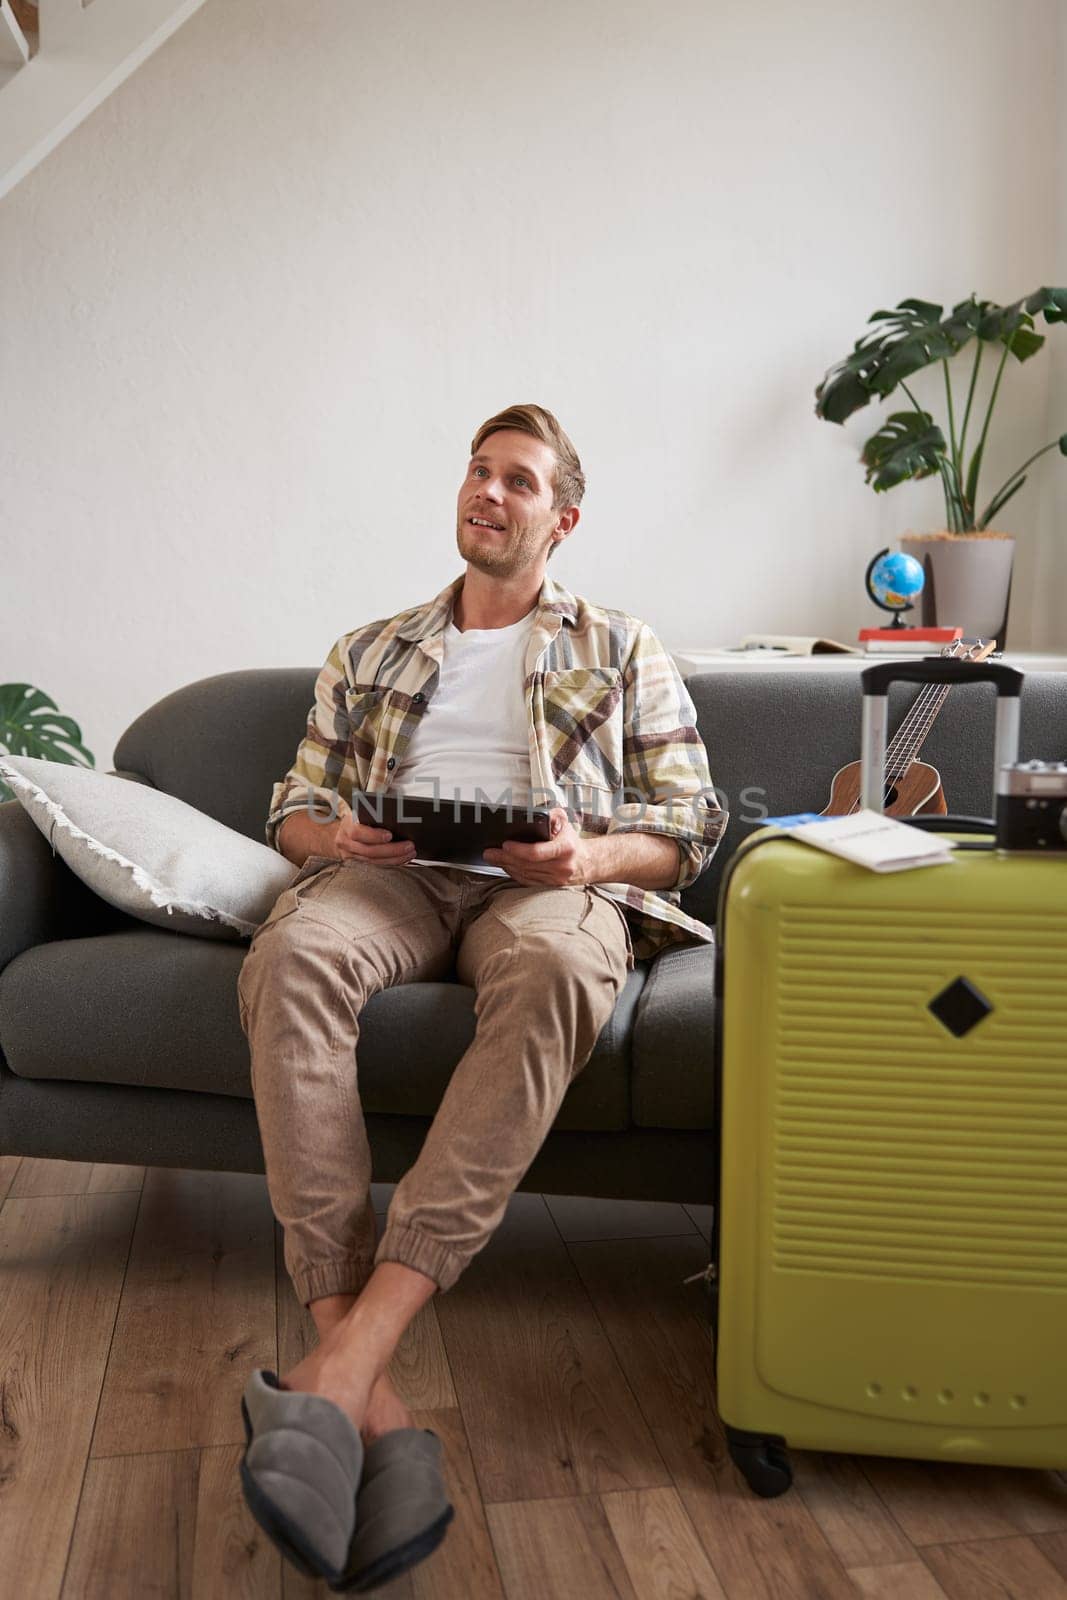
(912, 635)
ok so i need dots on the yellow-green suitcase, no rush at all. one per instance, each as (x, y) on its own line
(891, 1238)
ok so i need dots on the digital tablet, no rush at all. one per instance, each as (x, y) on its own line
(451, 830)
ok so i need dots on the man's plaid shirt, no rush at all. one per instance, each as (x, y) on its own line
(612, 731)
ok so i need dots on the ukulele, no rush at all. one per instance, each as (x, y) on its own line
(912, 788)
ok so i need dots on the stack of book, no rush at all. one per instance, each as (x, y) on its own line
(907, 641)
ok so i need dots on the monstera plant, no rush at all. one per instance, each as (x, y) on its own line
(911, 444)
(31, 725)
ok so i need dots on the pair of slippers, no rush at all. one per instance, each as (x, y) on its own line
(355, 1516)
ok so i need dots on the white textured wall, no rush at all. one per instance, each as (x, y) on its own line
(1049, 527)
(255, 306)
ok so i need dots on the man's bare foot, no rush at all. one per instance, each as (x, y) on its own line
(385, 1412)
(379, 1412)
(355, 1350)
(326, 1371)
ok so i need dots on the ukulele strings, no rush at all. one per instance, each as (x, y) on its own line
(894, 768)
(924, 702)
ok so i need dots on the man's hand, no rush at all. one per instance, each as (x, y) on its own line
(359, 841)
(302, 836)
(561, 861)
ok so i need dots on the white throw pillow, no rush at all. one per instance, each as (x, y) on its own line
(148, 853)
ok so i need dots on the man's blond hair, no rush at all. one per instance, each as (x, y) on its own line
(568, 480)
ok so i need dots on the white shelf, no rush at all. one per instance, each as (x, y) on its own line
(689, 662)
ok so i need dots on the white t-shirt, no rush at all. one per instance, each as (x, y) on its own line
(474, 733)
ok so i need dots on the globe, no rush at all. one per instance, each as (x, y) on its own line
(896, 578)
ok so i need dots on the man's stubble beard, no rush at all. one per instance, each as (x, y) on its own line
(515, 556)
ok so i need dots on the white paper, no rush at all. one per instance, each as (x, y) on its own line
(906, 647)
(870, 839)
(463, 866)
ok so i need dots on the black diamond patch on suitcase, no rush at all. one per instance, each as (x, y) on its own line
(960, 1007)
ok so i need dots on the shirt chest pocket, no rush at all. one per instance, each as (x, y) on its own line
(583, 722)
(366, 708)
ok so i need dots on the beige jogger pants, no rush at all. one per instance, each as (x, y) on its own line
(546, 965)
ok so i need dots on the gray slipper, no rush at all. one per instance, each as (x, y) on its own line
(402, 1510)
(300, 1473)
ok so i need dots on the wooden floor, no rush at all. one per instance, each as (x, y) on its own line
(569, 1373)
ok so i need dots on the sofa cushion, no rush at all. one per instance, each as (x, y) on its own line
(142, 1007)
(148, 853)
(673, 1073)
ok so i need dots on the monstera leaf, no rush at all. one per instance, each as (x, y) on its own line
(1052, 304)
(909, 444)
(30, 725)
(915, 335)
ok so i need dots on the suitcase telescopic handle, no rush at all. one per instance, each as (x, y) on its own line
(875, 682)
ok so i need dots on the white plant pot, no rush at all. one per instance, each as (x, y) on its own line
(968, 581)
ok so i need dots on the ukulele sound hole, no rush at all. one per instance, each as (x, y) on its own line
(892, 795)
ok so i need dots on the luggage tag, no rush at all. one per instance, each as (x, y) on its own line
(795, 820)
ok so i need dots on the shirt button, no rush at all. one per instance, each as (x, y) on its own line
(391, 763)
(417, 699)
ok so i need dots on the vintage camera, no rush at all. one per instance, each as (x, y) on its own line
(1032, 806)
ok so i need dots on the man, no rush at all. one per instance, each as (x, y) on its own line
(504, 685)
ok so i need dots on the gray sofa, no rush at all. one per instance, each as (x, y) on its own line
(121, 1042)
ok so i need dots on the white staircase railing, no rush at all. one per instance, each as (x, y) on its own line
(84, 53)
(14, 46)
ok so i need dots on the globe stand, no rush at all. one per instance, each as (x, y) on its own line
(885, 605)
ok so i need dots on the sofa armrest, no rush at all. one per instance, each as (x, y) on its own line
(30, 884)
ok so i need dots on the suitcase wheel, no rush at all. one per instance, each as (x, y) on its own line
(762, 1460)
